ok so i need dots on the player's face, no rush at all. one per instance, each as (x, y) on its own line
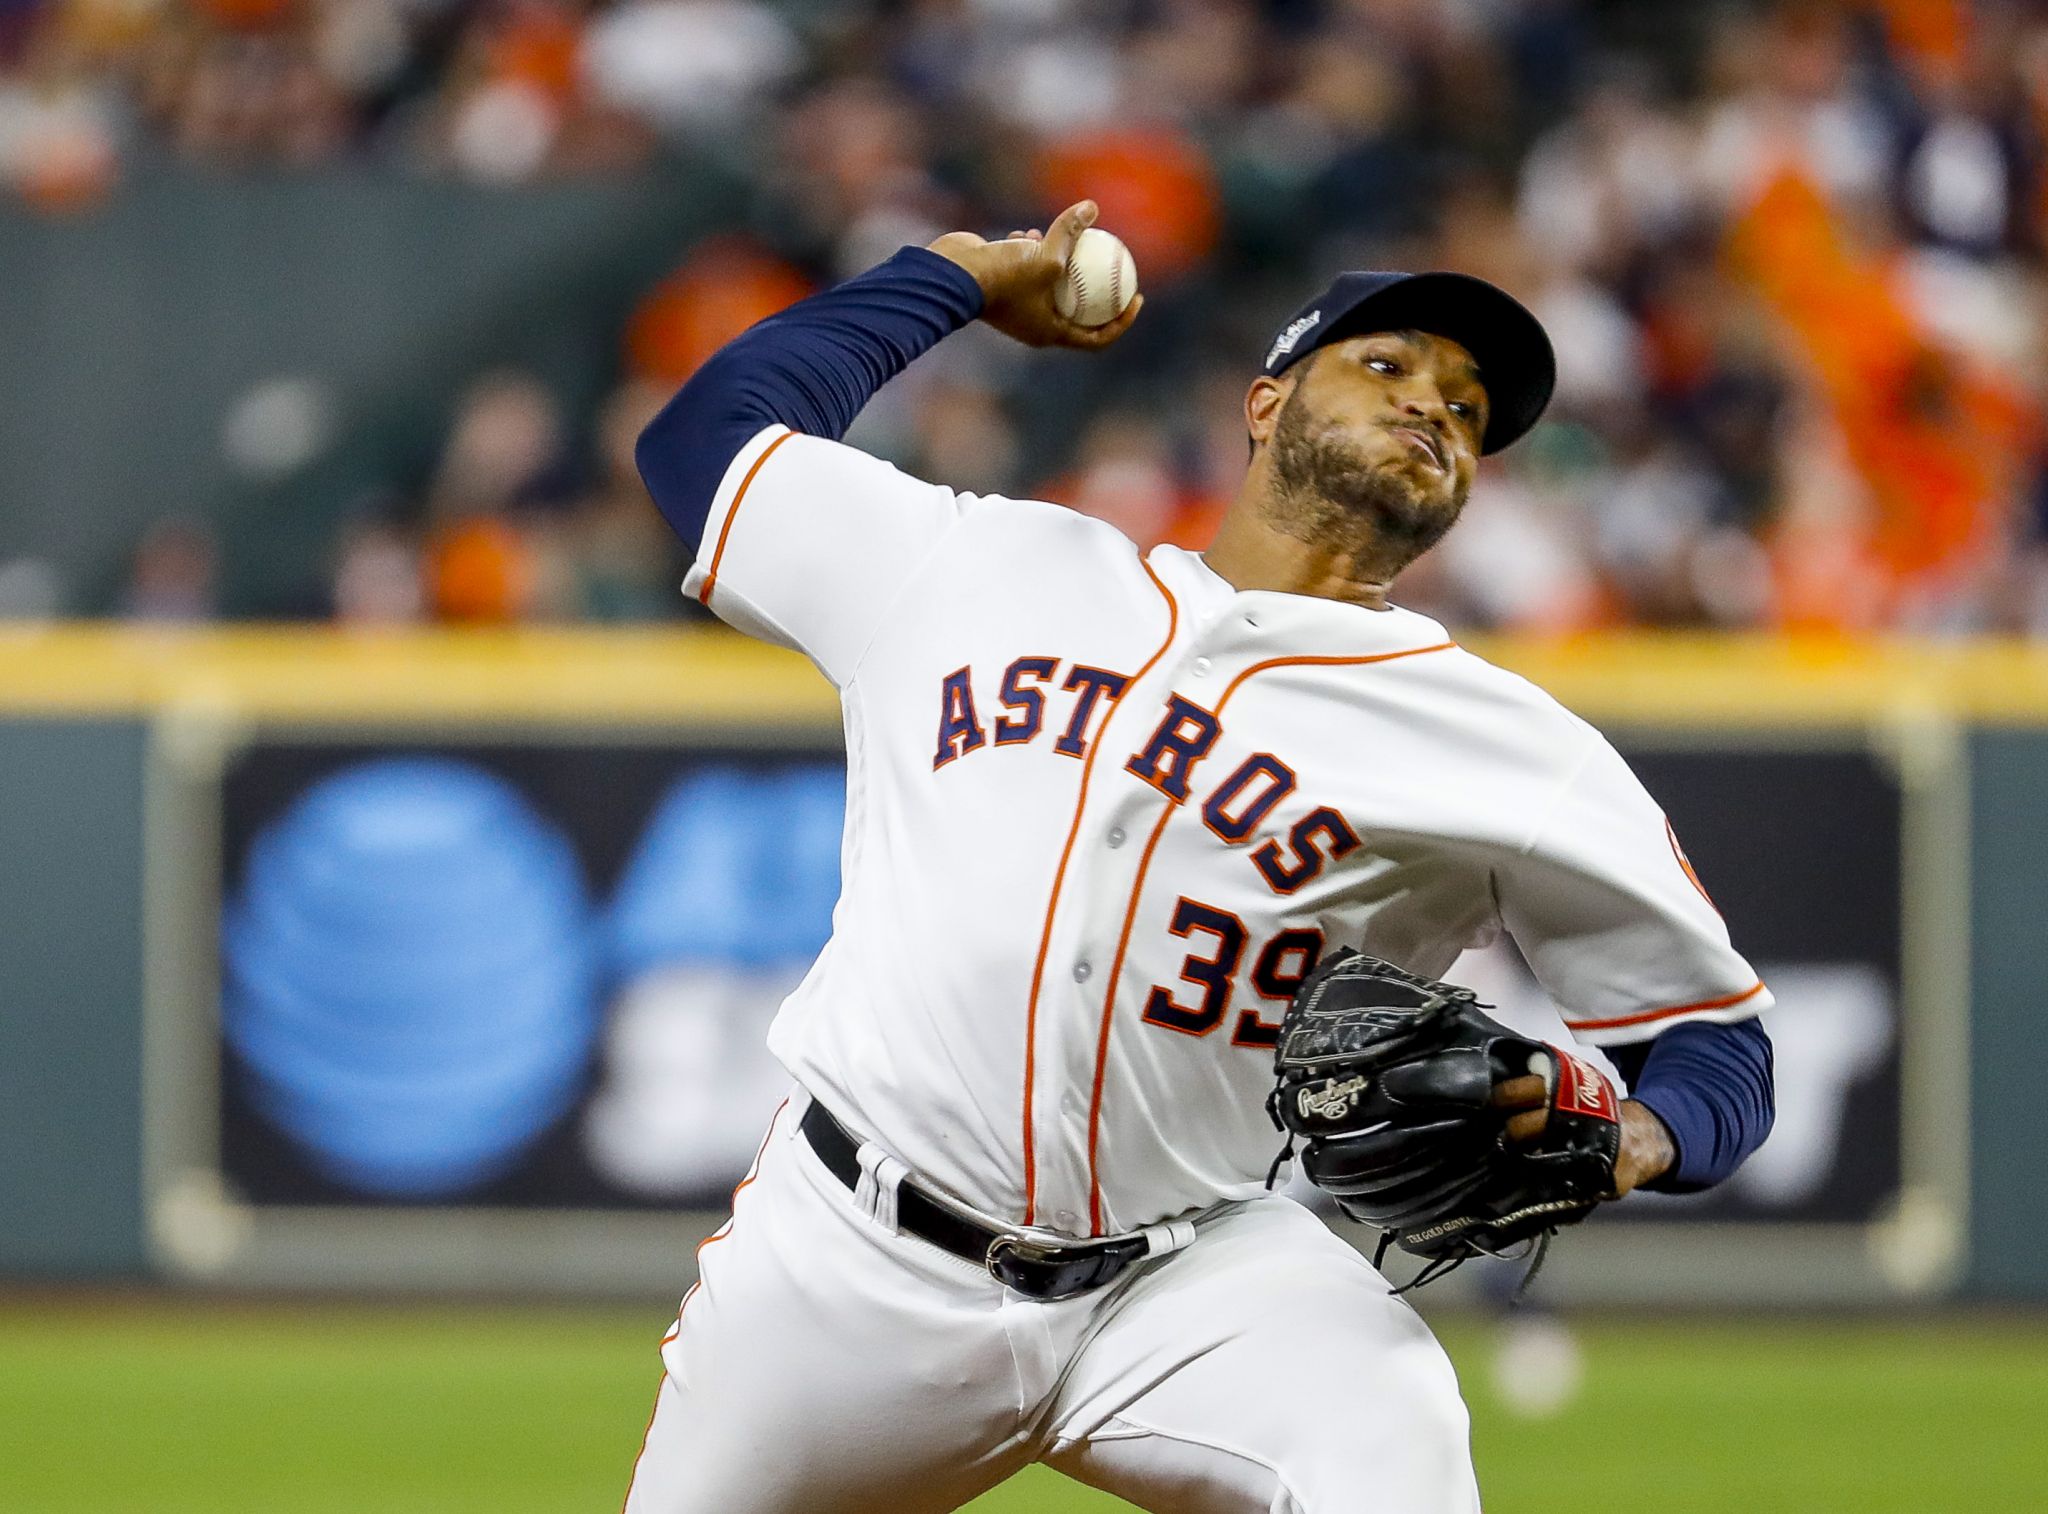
(1380, 437)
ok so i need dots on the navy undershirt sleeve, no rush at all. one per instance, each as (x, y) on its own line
(811, 368)
(1711, 1086)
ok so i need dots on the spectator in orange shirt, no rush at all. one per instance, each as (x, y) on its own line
(487, 547)
(1154, 185)
(719, 290)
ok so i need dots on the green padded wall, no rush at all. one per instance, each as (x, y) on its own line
(70, 997)
(126, 336)
(2009, 1024)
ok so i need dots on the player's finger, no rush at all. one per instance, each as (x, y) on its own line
(1527, 1092)
(1528, 1125)
(1066, 229)
(1090, 338)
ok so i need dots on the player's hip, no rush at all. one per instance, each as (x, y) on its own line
(948, 1108)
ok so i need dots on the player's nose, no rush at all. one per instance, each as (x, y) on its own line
(1421, 401)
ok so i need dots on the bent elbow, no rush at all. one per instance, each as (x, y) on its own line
(1756, 1121)
(683, 453)
(651, 453)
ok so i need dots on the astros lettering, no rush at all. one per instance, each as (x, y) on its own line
(1233, 810)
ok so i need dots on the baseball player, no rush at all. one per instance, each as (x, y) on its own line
(1105, 812)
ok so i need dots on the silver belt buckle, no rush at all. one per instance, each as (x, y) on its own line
(1020, 1248)
(1066, 1276)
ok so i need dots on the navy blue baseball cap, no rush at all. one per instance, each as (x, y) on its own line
(1515, 361)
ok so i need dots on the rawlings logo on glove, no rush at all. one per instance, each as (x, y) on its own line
(1581, 1088)
(1332, 1101)
(1388, 1081)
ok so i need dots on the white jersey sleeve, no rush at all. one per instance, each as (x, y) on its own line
(809, 542)
(1612, 918)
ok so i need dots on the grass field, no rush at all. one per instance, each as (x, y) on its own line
(140, 1406)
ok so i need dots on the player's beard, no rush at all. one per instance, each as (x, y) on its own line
(1332, 494)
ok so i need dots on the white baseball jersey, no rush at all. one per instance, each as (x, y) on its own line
(1104, 812)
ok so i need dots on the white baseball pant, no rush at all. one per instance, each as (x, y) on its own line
(825, 1361)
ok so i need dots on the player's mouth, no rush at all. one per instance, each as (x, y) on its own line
(1423, 445)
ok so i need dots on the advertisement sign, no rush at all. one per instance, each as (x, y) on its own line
(537, 975)
(517, 976)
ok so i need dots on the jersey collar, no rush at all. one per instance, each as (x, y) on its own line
(1290, 622)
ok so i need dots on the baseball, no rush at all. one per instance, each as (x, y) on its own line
(1100, 281)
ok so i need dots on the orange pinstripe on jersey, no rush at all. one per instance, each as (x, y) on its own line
(1059, 878)
(1646, 1016)
(1116, 967)
(1287, 662)
(718, 552)
(645, 1436)
(753, 1171)
(1138, 888)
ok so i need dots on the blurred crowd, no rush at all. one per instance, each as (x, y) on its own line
(1791, 255)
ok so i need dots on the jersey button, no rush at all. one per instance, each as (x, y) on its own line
(1067, 1220)
(1201, 667)
(1081, 972)
(1116, 835)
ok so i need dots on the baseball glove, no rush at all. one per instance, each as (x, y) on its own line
(1387, 1082)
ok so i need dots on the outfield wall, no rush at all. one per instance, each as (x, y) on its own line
(1874, 810)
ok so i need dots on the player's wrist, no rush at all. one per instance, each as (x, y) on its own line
(1647, 1148)
(967, 253)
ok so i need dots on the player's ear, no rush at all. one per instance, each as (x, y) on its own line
(1262, 404)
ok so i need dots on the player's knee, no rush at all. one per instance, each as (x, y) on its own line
(1418, 1391)
(1440, 1418)
(1429, 1435)
(1408, 1422)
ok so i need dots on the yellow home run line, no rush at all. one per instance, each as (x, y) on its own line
(318, 674)
(708, 675)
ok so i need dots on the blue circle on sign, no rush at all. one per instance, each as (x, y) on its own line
(409, 975)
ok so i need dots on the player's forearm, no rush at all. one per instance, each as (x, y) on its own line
(811, 368)
(1711, 1087)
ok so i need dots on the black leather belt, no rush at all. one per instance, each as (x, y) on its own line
(1031, 1267)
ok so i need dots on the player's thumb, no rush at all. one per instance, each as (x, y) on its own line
(1066, 230)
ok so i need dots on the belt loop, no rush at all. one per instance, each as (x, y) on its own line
(881, 1177)
(1160, 1239)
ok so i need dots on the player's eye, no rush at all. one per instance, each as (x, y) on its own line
(1385, 365)
(1464, 410)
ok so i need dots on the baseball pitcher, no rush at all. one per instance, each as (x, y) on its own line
(1152, 862)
